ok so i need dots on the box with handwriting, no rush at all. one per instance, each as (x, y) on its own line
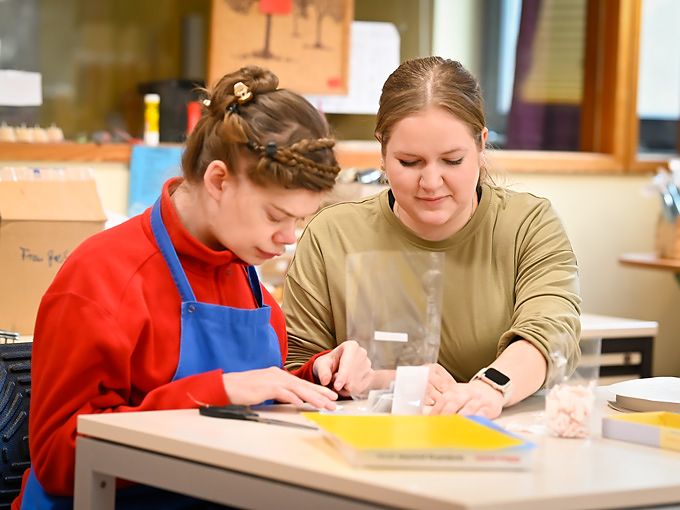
(44, 215)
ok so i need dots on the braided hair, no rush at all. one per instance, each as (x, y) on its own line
(285, 140)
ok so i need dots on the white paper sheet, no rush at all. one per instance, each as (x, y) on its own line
(374, 54)
(20, 88)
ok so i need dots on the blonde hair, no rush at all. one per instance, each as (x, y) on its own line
(286, 138)
(431, 81)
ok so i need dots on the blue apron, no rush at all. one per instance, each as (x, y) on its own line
(212, 337)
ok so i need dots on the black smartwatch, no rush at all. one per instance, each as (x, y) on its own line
(496, 379)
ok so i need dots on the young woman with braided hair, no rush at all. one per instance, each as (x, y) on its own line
(166, 311)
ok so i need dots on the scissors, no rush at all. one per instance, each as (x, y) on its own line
(238, 412)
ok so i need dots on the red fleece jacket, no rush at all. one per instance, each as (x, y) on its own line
(107, 335)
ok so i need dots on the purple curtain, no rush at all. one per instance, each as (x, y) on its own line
(537, 126)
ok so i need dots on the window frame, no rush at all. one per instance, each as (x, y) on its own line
(609, 126)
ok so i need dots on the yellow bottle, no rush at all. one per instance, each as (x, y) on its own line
(151, 119)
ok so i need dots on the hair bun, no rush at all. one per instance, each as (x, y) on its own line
(258, 79)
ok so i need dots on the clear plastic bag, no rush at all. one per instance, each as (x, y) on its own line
(394, 302)
(570, 399)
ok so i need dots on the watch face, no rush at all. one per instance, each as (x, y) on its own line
(496, 376)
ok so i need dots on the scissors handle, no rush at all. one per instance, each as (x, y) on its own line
(233, 412)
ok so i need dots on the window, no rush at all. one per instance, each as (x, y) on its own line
(531, 67)
(658, 100)
(584, 78)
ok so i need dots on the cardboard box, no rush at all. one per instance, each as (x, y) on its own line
(41, 222)
(667, 240)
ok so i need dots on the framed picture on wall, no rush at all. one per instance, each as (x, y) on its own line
(305, 42)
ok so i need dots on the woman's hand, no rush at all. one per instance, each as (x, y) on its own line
(438, 382)
(475, 397)
(255, 386)
(346, 369)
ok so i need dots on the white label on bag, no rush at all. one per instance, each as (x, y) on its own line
(410, 385)
(389, 336)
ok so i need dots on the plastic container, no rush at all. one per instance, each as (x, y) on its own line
(570, 402)
(152, 119)
(193, 115)
(174, 97)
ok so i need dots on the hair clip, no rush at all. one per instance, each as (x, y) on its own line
(242, 92)
(271, 149)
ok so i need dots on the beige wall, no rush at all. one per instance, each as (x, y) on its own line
(606, 216)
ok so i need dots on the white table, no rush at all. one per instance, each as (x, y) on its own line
(620, 335)
(593, 325)
(254, 465)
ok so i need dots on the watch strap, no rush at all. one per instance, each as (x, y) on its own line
(504, 389)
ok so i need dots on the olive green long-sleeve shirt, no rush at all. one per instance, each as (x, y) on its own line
(509, 273)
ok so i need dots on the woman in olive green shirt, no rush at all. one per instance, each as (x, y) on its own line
(511, 294)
